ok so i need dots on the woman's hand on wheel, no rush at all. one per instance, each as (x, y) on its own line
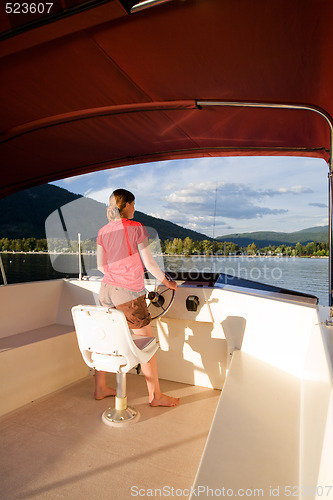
(170, 284)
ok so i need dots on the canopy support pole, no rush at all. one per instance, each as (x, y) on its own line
(80, 262)
(330, 232)
(329, 121)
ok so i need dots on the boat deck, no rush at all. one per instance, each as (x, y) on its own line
(58, 446)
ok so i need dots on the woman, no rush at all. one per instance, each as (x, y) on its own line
(119, 245)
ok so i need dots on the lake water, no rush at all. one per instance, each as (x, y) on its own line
(299, 274)
(303, 275)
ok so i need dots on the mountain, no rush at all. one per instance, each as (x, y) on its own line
(23, 215)
(265, 238)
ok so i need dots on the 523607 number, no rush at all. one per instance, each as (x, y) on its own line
(304, 491)
(28, 8)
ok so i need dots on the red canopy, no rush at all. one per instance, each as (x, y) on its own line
(104, 87)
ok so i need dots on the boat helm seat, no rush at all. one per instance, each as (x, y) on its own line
(106, 344)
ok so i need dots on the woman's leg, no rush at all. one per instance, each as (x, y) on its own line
(156, 397)
(101, 389)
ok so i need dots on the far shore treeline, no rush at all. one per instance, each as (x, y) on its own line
(176, 246)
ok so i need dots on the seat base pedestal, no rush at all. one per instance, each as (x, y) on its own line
(115, 417)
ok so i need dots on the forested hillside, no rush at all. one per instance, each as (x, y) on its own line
(23, 214)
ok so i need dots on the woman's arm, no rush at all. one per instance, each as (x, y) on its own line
(152, 266)
(101, 259)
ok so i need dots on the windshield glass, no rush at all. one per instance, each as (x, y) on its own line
(256, 218)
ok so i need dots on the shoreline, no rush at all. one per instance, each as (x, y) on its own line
(11, 252)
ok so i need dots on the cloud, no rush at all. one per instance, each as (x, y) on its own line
(101, 195)
(300, 190)
(229, 200)
(232, 189)
(319, 205)
(197, 192)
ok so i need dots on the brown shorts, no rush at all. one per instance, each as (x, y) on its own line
(132, 304)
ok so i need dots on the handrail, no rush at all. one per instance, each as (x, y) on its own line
(302, 107)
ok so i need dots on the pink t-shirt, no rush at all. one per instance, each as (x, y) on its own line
(119, 240)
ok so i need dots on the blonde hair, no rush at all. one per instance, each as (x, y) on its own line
(117, 202)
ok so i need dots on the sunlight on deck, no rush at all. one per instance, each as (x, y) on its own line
(58, 446)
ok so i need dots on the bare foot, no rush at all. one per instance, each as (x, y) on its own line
(104, 393)
(165, 400)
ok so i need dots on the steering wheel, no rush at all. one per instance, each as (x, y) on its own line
(160, 299)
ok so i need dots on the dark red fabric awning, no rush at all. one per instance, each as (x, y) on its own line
(104, 88)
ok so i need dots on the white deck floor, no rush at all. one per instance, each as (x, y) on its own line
(58, 447)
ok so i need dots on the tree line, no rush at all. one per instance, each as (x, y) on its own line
(45, 245)
(175, 246)
(211, 247)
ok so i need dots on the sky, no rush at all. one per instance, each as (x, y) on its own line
(220, 196)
